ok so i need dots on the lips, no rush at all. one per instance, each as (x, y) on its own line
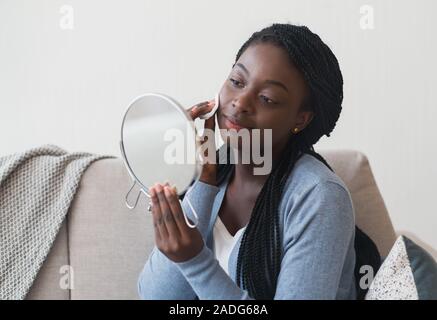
(233, 123)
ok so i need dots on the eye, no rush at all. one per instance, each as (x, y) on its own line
(267, 100)
(236, 83)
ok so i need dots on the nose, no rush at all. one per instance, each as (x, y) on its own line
(242, 103)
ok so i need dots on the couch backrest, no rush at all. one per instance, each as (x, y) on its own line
(106, 244)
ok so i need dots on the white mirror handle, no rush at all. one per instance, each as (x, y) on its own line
(196, 217)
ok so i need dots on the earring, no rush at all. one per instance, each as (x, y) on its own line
(295, 130)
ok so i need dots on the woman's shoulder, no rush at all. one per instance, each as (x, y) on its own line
(309, 172)
(311, 180)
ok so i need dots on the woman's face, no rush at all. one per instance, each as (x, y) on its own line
(265, 91)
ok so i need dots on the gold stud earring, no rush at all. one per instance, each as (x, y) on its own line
(296, 130)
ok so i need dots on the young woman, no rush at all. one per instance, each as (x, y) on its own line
(285, 235)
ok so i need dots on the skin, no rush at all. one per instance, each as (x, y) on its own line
(264, 90)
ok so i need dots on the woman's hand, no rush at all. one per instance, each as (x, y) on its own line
(173, 237)
(209, 170)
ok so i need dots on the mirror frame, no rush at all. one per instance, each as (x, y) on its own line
(185, 114)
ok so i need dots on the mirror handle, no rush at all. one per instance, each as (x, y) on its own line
(194, 213)
(127, 195)
(185, 216)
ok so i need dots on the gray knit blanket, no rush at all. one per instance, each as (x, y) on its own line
(37, 187)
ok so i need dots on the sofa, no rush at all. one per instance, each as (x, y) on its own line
(102, 245)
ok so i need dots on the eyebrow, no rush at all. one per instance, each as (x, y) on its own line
(274, 82)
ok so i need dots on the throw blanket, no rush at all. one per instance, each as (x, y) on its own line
(36, 190)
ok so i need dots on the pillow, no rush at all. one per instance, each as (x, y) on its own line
(408, 273)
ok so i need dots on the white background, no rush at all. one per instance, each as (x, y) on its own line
(71, 87)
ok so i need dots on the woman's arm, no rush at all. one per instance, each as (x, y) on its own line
(160, 277)
(208, 279)
(318, 232)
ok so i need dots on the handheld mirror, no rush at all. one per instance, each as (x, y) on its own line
(158, 144)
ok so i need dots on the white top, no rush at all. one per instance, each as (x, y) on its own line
(224, 242)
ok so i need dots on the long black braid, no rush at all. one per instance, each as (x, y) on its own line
(259, 257)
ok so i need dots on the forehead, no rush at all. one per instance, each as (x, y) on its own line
(267, 61)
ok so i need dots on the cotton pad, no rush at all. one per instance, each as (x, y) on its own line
(213, 111)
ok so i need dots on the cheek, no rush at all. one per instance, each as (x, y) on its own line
(270, 119)
(225, 95)
(225, 99)
(220, 118)
(279, 121)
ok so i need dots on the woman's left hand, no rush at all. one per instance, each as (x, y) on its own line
(173, 236)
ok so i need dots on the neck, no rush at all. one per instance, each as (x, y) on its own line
(244, 172)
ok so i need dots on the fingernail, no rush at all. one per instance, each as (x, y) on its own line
(201, 106)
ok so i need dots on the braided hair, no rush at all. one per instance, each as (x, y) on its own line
(259, 256)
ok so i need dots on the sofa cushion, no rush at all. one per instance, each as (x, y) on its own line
(108, 243)
(408, 273)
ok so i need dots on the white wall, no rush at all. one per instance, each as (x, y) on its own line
(71, 87)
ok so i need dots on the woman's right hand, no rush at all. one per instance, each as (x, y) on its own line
(209, 170)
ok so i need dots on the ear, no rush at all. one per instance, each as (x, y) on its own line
(303, 119)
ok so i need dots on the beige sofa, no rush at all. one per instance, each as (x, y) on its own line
(106, 244)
